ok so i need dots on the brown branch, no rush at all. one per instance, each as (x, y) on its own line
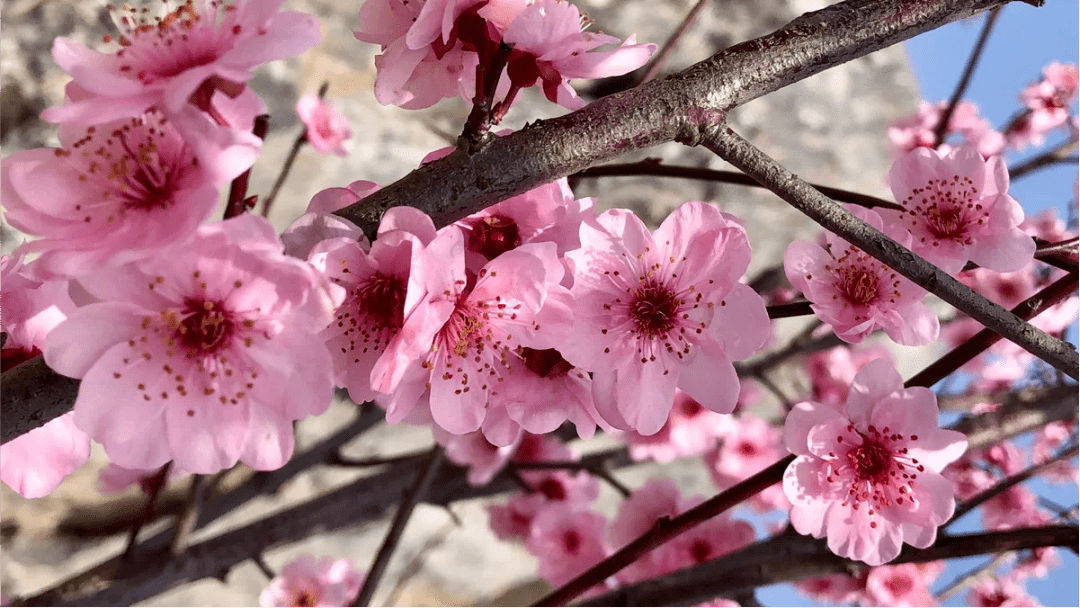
(1049, 296)
(726, 144)
(1062, 153)
(290, 159)
(789, 557)
(154, 485)
(659, 111)
(974, 502)
(185, 523)
(657, 61)
(656, 168)
(238, 202)
(397, 527)
(790, 309)
(965, 78)
(33, 395)
(117, 583)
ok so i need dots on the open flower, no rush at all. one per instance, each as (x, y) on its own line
(653, 312)
(855, 293)
(202, 355)
(869, 477)
(957, 208)
(112, 194)
(307, 582)
(327, 129)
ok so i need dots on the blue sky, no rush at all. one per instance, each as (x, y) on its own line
(1024, 40)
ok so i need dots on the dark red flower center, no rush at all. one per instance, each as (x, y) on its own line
(546, 363)
(871, 461)
(494, 235)
(654, 309)
(206, 327)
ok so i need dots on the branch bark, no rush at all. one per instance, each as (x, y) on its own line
(729, 146)
(669, 109)
(790, 557)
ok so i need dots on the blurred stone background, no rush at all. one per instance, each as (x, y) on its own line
(828, 129)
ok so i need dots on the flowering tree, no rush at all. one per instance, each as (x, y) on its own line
(480, 297)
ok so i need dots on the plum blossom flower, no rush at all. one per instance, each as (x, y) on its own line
(833, 588)
(957, 208)
(36, 463)
(900, 585)
(327, 129)
(306, 581)
(690, 430)
(119, 192)
(869, 477)
(748, 445)
(319, 222)
(919, 130)
(203, 355)
(550, 46)
(192, 64)
(831, 371)
(462, 342)
(567, 542)
(999, 591)
(1047, 102)
(855, 293)
(656, 312)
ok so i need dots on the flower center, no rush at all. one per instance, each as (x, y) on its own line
(546, 363)
(700, 551)
(306, 597)
(494, 235)
(654, 309)
(871, 461)
(553, 489)
(945, 210)
(859, 286)
(382, 299)
(206, 328)
(572, 541)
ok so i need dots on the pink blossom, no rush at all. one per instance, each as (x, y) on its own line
(119, 192)
(1005, 288)
(35, 463)
(690, 430)
(957, 208)
(918, 131)
(567, 542)
(203, 355)
(307, 582)
(656, 312)
(855, 293)
(999, 591)
(707, 541)
(114, 478)
(967, 477)
(472, 450)
(1048, 99)
(900, 585)
(463, 343)
(747, 446)
(869, 477)
(1015, 507)
(833, 588)
(1047, 443)
(637, 515)
(831, 371)
(379, 293)
(1047, 226)
(513, 521)
(550, 45)
(319, 222)
(327, 129)
(192, 64)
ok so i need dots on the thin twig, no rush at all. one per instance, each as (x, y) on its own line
(803, 342)
(153, 488)
(1046, 298)
(185, 523)
(664, 530)
(974, 502)
(969, 70)
(655, 167)
(789, 309)
(397, 527)
(612, 481)
(481, 117)
(657, 61)
(290, 159)
(238, 199)
(1062, 153)
(728, 145)
(261, 564)
(337, 459)
(968, 577)
(771, 386)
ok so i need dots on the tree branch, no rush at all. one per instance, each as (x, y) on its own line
(729, 146)
(659, 111)
(789, 557)
(965, 78)
(33, 395)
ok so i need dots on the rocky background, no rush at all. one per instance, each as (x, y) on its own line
(828, 129)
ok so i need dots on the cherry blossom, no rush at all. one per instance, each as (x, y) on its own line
(567, 542)
(833, 588)
(919, 130)
(957, 208)
(1047, 102)
(191, 64)
(550, 46)
(690, 430)
(306, 581)
(203, 355)
(900, 585)
(869, 478)
(855, 293)
(656, 312)
(319, 222)
(999, 591)
(327, 129)
(35, 463)
(747, 445)
(831, 371)
(116, 193)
